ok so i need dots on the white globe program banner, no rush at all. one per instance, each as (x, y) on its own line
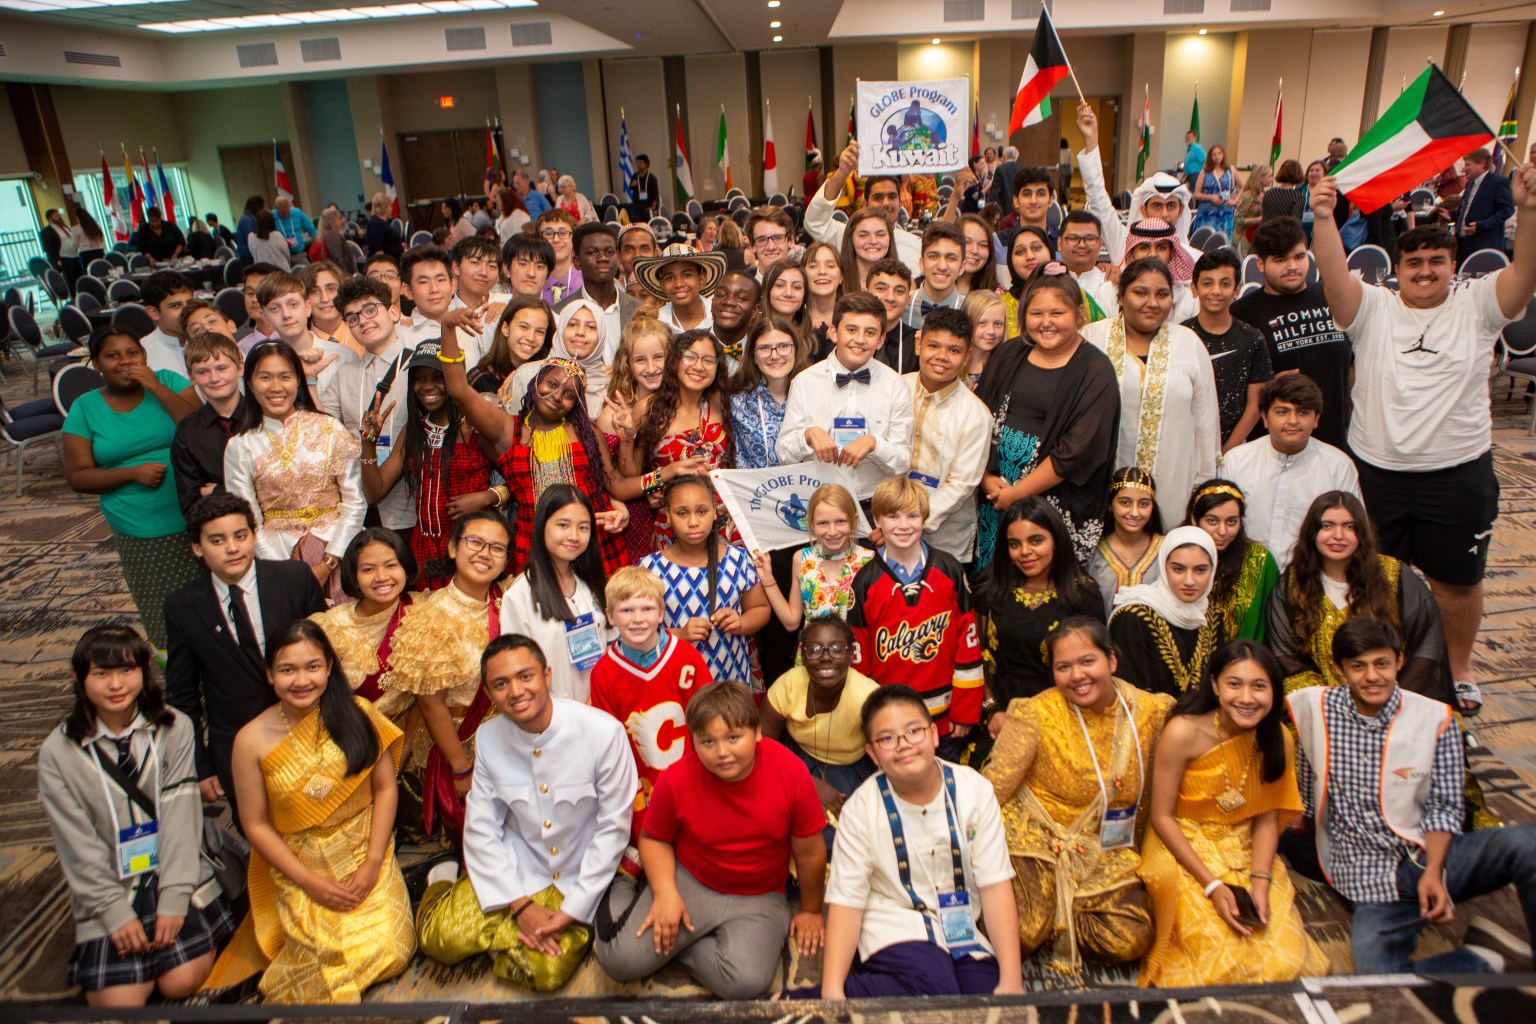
(913, 127)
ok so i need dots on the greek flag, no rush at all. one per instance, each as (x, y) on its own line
(626, 158)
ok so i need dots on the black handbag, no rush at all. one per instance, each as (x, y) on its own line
(230, 856)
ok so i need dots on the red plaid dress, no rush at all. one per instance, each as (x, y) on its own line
(468, 471)
(514, 464)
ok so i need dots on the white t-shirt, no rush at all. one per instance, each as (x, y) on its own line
(1421, 377)
(864, 871)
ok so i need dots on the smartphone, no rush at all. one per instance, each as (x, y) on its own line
(1247, 913)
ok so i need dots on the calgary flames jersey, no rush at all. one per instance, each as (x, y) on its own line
(921, 634)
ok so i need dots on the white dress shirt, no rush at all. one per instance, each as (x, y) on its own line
(885, 403)
(247, 585)
(951, 430)
(163, 352)
(518, 615)
(666, 315)
(1278, 489)
(551, 808)
(346, 392)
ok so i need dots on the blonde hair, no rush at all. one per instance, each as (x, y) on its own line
(631, 582)
(206, 345)
(838, 497)
(899, 494)
(623, 382)
(978, 302)
(380, 204)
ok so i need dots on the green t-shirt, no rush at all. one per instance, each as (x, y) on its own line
(120, 439)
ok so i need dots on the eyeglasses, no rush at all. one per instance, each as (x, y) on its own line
(478, 544)
(699, 359)
(383, 275)
(1080, 240)
(890, 740)
(776, 239)
(553, 233)
(823, 650)
(779, 349)
(367, 311)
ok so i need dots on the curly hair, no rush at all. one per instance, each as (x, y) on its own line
(1370, 596)
(622, 383)
(579, 418)
(664, 403)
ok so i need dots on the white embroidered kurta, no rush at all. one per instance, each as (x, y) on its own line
(551, 808)
(1185, 445)
(302, 476)
(951, 437)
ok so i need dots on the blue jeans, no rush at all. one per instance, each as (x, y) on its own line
(1479, 862)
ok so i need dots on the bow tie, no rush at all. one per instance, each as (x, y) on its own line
(859, 376)
(928, 307)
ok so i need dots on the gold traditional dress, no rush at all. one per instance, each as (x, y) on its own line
(1085, 900)
(437, 651)
(364, 645)
(1193, 945)
(312, 954)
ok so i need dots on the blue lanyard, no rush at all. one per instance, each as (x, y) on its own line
(898, 837)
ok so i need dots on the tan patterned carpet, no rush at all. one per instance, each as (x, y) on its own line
(58, 574)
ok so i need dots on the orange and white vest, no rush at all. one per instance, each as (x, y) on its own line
(1407, 760)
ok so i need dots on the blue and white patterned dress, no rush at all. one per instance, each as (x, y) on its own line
(728, 656)
(756, 417)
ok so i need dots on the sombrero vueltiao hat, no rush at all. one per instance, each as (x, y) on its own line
(711, 267)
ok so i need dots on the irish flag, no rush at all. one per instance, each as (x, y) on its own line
(682, 177)
(1427, 129)
(723, 152)
(1047, 65)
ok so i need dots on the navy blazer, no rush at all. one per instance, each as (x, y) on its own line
(1492, 205)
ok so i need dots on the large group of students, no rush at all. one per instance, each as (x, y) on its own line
(1141, 600)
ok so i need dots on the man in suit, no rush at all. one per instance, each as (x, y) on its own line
(1486, 204)
(1001, 191)
(53, 236)
(597, 257)
(218, 628)
(643, 191)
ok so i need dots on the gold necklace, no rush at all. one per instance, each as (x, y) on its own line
(1231, 797)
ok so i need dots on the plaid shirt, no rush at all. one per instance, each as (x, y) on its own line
(1366, 851)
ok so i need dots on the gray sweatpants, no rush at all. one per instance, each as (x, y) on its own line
(734, 949)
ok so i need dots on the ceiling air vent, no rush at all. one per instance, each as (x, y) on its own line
(536, 33)
(100, 60)
(472, 38)
(965, 10)
(314, 50)
(1027, 10)
(1183, 6)
(1247, 6)
(256, 55)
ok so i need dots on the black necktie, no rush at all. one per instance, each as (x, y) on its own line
(125, 753)
(860, 376)
(245, 633)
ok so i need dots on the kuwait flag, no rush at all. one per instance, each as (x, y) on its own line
(682, 177)
(1047, 65)
(1426, 130)
(722, 151)
(770, 156)
(280, 174)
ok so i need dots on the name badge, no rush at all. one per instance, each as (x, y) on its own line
(930, 482)
(138, 849)
(1118, 830)
(581, 639)
(847, 429)
(383, 441)
(958, 925)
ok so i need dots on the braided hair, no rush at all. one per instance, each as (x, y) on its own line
(585, 433)
(417, 451)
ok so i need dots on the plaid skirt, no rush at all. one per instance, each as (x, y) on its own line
(95, 965)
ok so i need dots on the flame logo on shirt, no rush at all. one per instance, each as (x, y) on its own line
(660, 733)
(917, 644)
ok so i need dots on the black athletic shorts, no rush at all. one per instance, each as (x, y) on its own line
(1440, 521)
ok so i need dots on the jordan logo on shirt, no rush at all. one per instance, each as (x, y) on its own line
(1419, 346)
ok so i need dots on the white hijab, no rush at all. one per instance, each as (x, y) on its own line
(1159, 596)
(597, 369)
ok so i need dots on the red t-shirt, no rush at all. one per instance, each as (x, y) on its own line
(734, 837)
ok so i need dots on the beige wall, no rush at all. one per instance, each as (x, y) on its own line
(1194, 63)
(718, 82)
(788, 78)
(96, 119)
(1270, 56)
(1336, 92)
(519, 115)
(635, 87)
(1143, 77)
(1493, 53)
(873, 61)
(1408, 51)
(210, 118)
(413, 99)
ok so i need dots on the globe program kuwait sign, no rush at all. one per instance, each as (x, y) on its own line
(913, 127)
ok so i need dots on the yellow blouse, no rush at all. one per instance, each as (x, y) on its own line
(836, 737)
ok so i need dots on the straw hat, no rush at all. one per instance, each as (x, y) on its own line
(711, 266)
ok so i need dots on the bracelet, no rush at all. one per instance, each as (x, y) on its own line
(651, 482)
(448, 359)
(495, 497)
(503, 494)
(519, 911)
(1262, 874)
(466, 772)
(370, 439)
(1212, 886)
(369, 462)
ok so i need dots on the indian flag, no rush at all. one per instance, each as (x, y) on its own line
(1426, 130)
(1047, 65)
(723, 152)
(681, 175)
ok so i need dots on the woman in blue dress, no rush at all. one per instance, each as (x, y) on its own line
(1215, 194)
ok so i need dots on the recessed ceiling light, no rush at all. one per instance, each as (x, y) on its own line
(778, 39)
(936, 42)
(775, 24)
(773, 3)
(1202, 31)
(1439, 14)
